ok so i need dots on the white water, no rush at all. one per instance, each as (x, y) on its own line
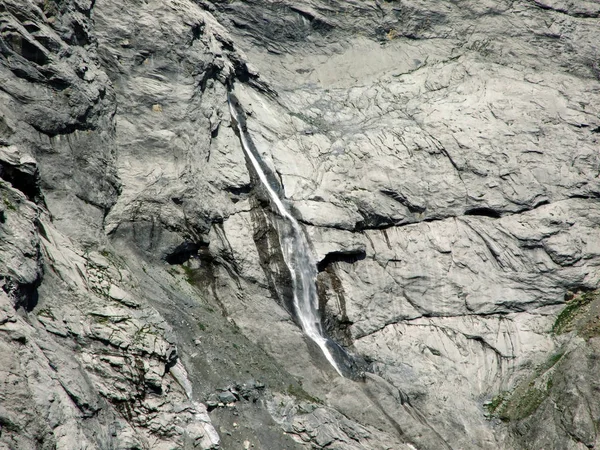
(297, 256)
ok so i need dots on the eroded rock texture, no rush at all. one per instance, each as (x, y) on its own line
(442, 156)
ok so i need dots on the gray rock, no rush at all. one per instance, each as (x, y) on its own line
(442, 158)
(227, 397)
(118, 294)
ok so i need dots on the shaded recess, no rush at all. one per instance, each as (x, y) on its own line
(184, 252)
(483, 211)
(24, 294)
(27, 181)
(350, 257)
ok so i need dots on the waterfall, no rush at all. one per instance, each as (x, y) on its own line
(294, 247)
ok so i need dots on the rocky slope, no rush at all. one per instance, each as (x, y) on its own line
(443, 158)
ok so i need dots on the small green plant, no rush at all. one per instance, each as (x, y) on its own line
(46, 313)
(496, 402)
(201, 326)
(9, 205)
(189, 274)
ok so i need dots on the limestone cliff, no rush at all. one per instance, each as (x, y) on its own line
(442, 157)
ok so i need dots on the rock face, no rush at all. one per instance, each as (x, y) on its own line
(442, 157)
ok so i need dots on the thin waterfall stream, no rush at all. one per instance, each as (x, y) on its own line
(295, 249)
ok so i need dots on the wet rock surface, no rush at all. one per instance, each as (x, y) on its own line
(443, 159)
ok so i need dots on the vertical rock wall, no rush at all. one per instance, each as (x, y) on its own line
(442, 157)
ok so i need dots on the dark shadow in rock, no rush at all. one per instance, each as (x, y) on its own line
(79, 35)
(586, 196)
(29, 296)
(24, 295)
(329, 288)
(239, 190)
(183, 252)
(350, 256)
(24, 178)
(373, 221)
(483, 211)
(316, 23)
(28, 50)
(413, 208)
(270, 257)
(542, 203)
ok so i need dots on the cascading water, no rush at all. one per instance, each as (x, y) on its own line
(294, 246)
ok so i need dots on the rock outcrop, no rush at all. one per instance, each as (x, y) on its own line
(443, 159)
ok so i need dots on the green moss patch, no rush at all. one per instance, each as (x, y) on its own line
(495, 403)
(295, 390)
(582, 314)
(567, 318)
(9, 205)
(190, 274)
(527, 396)
(550, 362)
(523, 403)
